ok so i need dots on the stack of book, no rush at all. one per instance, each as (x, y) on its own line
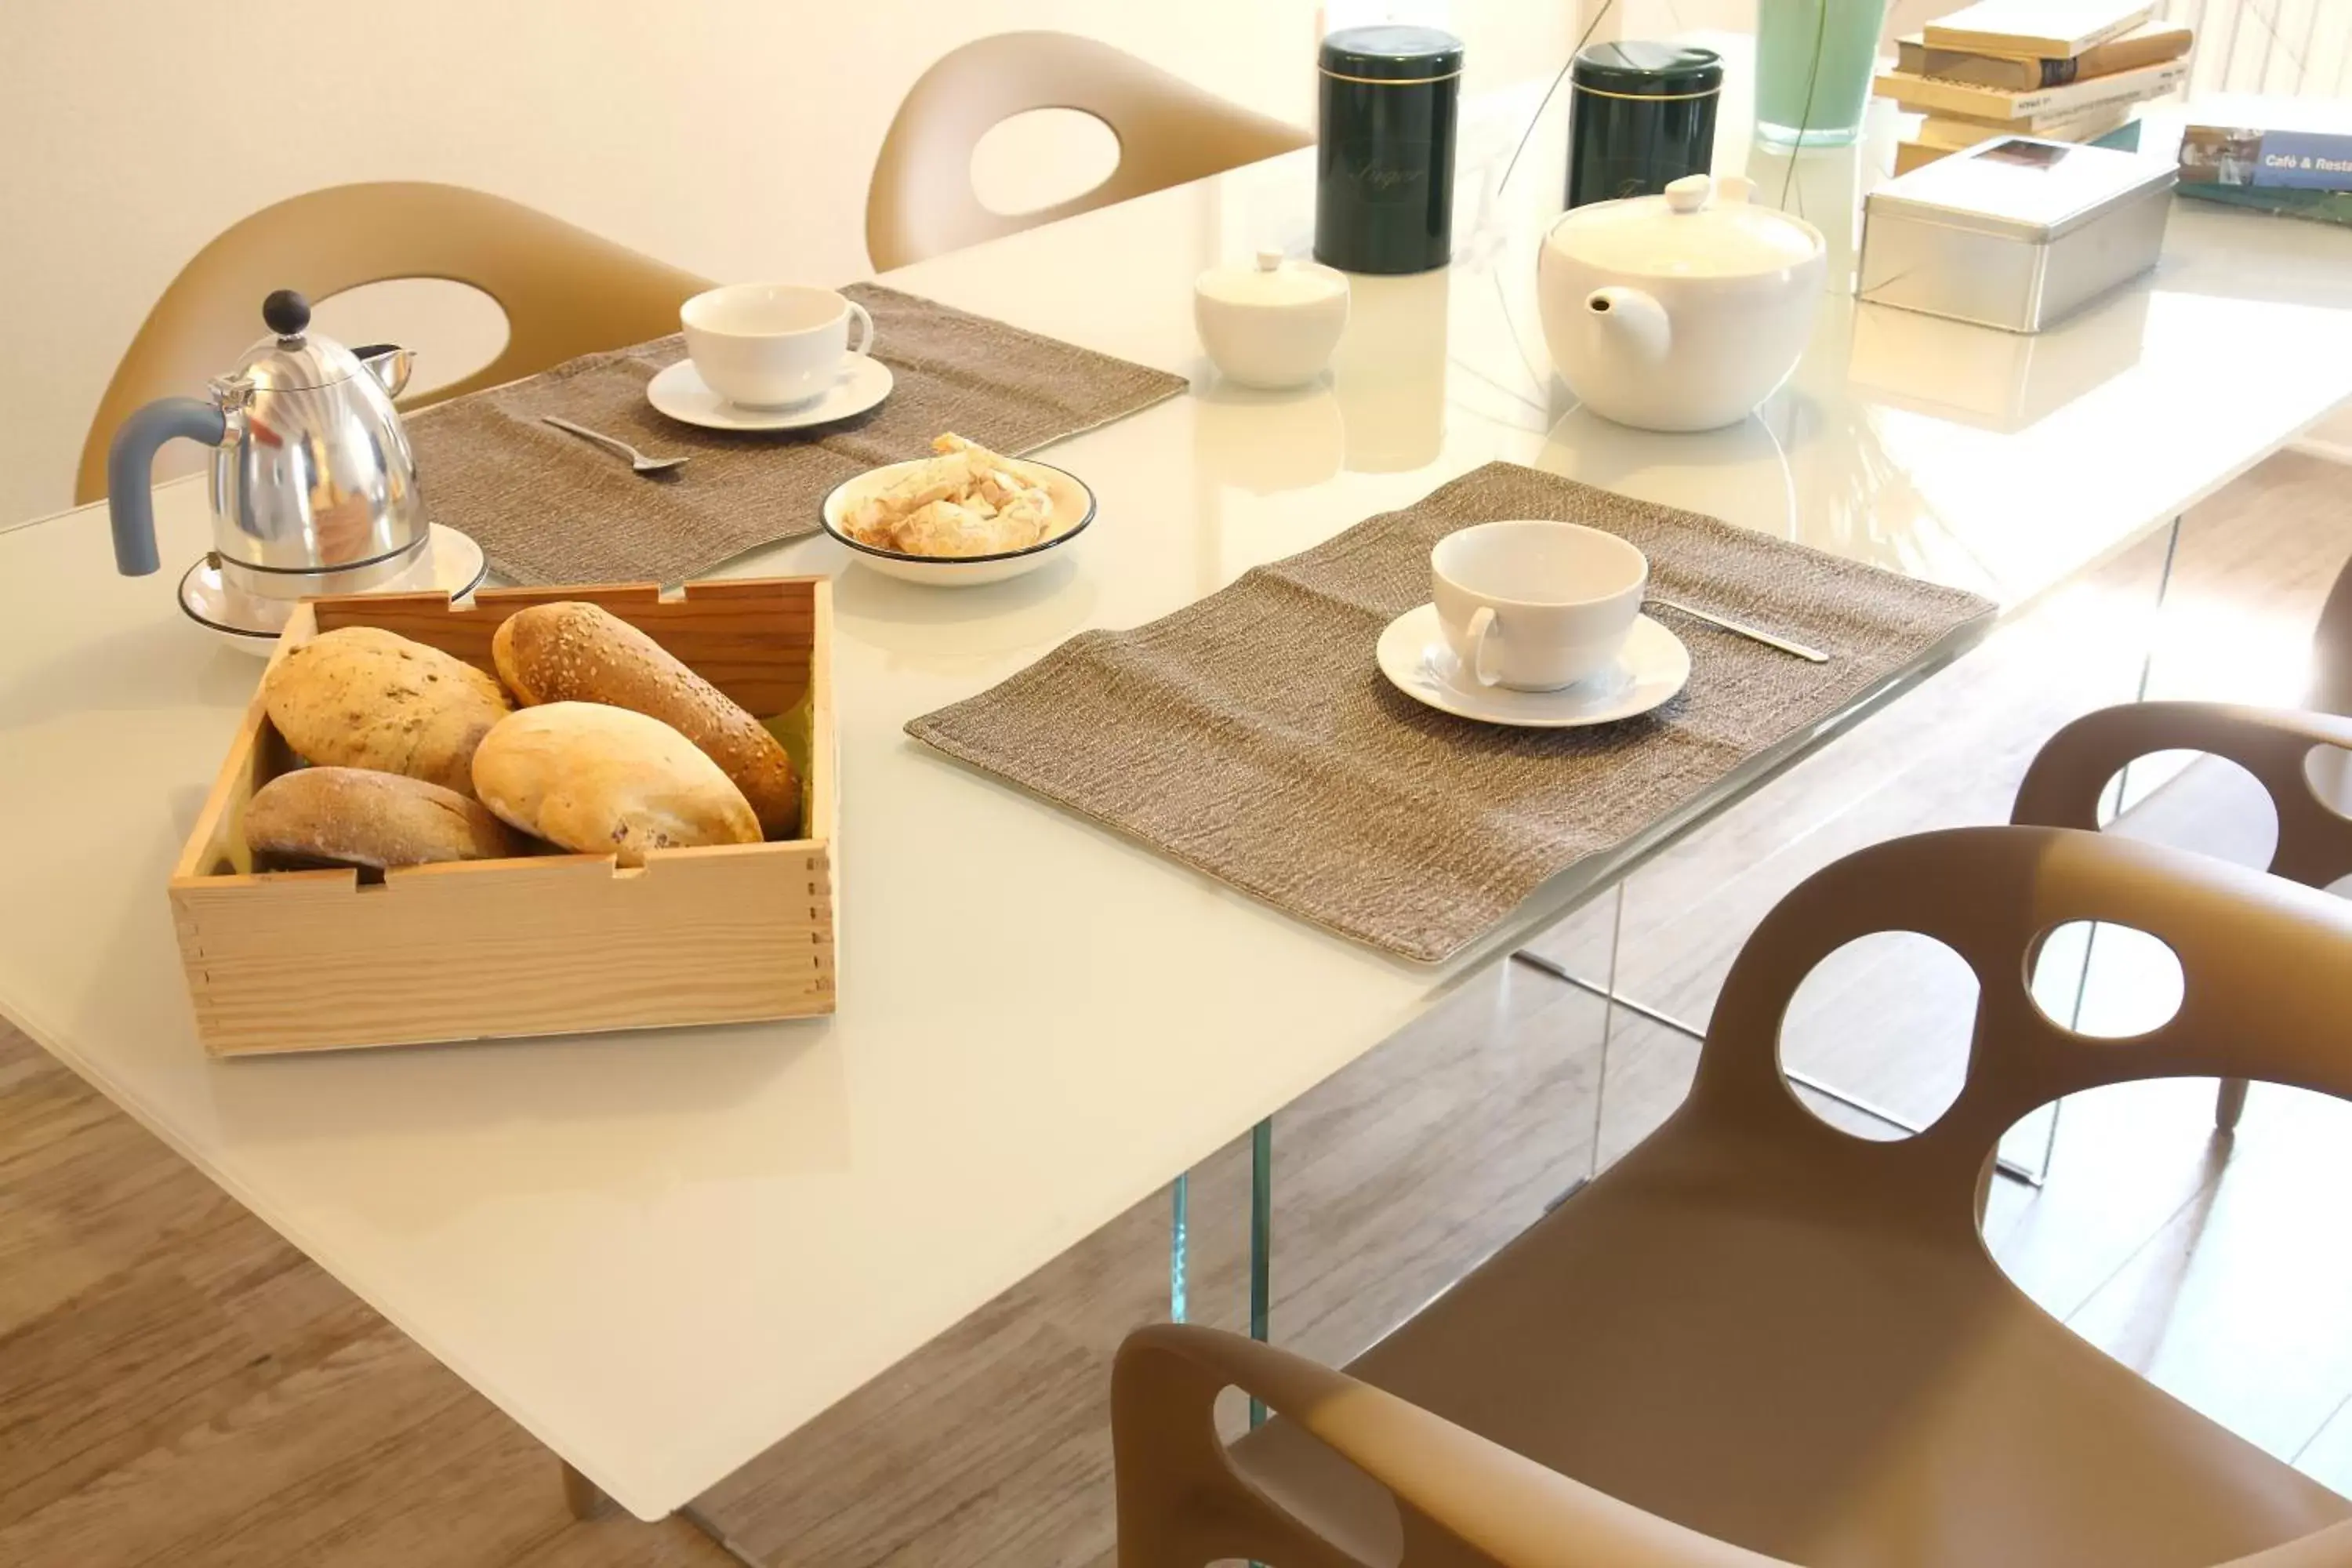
(2064, 70)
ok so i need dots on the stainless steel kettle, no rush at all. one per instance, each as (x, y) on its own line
(313, 485)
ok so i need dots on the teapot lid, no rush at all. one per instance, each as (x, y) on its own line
(1702, 228)
(1272, 283)
(292, 358)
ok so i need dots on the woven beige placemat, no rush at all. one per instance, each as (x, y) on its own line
(549, 508)
(1251, 735)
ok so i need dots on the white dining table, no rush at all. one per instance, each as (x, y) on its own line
(662, 1251)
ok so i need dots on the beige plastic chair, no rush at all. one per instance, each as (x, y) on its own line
(1760, 1339)
(920, 202)
(565, 291)
(2063, 787)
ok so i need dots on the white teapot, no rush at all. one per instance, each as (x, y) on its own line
(1679, 311)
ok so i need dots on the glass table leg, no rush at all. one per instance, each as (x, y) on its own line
(2115, 801)
(1261, 1288)
(1608, 1027)
(1179, 1225)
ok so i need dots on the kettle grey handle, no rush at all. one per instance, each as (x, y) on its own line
(131, 472)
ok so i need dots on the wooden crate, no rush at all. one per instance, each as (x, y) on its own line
(292, 961)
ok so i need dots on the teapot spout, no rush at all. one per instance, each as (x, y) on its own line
(1633, 319)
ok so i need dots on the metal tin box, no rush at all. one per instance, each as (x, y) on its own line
(1641, 116)
(2015, 233)
(1384, 163)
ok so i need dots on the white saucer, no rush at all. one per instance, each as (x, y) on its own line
(862, 383)
(1652, 668)
(452, 563)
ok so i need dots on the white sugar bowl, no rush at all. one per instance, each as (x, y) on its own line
(1680, 312)
(1272, 325)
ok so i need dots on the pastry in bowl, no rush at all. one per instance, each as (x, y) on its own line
(962, 517)
(966, 502)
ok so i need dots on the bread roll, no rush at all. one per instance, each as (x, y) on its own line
(361, 696)
(601, 780)
(573, 652)
(354, 817)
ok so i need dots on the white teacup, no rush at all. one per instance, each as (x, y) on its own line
(770, 345)
(1536, 605)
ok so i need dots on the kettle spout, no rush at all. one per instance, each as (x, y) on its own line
(1633, 319)
(389, 363)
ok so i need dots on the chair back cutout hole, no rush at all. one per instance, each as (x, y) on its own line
(1041, 157)
(1887, 1018)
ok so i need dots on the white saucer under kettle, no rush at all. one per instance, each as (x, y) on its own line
(1680, 312)
(313, 485)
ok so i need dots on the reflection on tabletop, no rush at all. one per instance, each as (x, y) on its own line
(1739, 473)
(1268, 442)
(1391, 371)
(915, 626)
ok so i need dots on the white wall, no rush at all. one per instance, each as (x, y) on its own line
(732, 137)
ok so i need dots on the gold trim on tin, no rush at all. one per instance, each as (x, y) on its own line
(1389, 80)
(1647, 97)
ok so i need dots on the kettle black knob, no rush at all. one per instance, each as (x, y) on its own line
(286, 313)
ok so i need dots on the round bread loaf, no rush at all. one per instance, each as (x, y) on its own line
(575, 652)
(601, 780)
(355, 816)
(361, 696)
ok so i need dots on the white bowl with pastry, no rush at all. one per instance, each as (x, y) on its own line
(959, 519)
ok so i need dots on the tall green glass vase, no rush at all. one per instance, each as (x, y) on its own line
(1814, 64)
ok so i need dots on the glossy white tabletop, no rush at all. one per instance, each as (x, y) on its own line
(660, 1252)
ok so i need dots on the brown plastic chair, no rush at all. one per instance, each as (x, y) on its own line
(2070, 773)
(565, 290)
(920, 202)
(2331, 648)
(1760, 1339)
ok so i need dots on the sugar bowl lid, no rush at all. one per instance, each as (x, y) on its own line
(1272, 283)
(292, 358)
(1701, 227)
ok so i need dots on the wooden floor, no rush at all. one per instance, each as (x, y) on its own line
(178, 1386)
